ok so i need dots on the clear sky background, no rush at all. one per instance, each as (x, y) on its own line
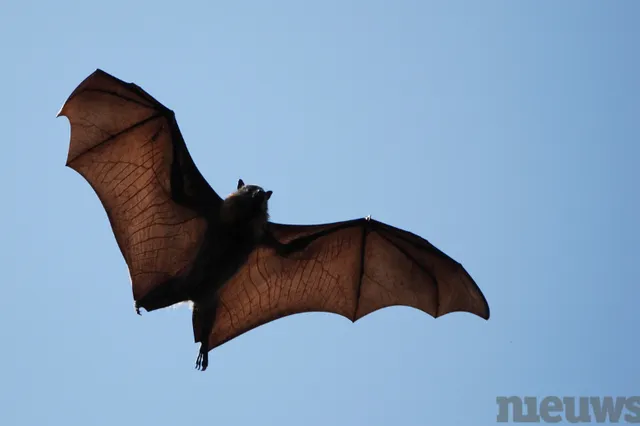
(504, 132)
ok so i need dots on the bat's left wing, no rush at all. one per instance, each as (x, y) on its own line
(349, 268)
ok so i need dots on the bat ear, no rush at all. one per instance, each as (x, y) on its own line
(267, 195)
(240, 183)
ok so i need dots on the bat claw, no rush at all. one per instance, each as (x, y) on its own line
(202, 362)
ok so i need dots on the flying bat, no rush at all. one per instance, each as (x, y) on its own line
(182, 242)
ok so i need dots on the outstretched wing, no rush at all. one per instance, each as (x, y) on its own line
(348, 268)
(125, 143)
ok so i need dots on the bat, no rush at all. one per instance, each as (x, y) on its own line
(182, 242)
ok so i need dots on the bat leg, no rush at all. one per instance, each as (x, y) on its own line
(203, 320)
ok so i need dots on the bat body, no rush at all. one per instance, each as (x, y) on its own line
(183, 242)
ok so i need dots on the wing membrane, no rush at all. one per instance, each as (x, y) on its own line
(123, 143)
(350, 268)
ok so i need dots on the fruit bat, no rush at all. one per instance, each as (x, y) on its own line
(182, 242)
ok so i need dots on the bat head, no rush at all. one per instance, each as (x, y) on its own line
(249, 201)
(255, 192)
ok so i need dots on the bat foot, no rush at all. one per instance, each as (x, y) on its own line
(137, 309)
(203, 360)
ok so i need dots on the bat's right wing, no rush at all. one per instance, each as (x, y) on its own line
(129, 148)
(349, 268)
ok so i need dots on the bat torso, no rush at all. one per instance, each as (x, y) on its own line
(229, 240)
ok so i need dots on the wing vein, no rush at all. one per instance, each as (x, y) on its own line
(416, 262)
(116, 135)
(363, 243)
(118, 95)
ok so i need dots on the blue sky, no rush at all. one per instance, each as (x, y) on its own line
(504, 132)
